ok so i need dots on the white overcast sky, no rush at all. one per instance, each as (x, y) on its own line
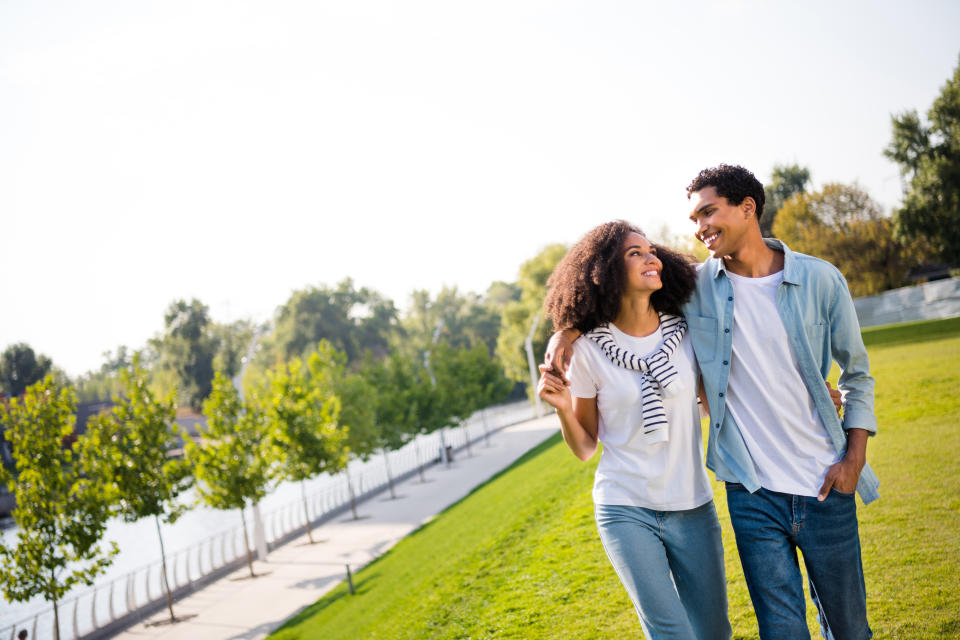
(235, 151)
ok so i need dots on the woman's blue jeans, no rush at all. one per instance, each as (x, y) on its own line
(770, 527)
(671, 564)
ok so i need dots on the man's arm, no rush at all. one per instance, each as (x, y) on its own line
(856, 384)
(559, 352)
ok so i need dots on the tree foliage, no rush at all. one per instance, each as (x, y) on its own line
(61, 513)
(301, 413)
(465, 319)
(786, 181)
(352, 320)
(184, 354)
(843, 225)
(20, 367)
(231, 463)
(518, 315)
(929, 159)
(128, 450)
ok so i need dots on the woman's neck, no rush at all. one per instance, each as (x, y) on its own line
(637, 317)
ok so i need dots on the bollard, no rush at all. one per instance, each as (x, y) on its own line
(350, 581)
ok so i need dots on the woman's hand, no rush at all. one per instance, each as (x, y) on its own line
(553, 390)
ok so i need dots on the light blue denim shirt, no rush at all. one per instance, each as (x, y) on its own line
(818, 315)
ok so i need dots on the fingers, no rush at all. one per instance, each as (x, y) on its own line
(828, 483)
(836, 396)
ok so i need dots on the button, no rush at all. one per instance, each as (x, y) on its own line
(725, 362)
(726, 330)
(717, 425)
(729, 298)
(721, 395)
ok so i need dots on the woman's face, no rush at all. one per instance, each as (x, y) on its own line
(641, 264)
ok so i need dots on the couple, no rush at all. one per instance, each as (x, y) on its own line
(753, 331)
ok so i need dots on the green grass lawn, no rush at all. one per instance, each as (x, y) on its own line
(520, 556)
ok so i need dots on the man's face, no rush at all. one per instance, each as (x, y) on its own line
(721, 226)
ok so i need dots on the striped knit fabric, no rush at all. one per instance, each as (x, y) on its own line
(657, 370)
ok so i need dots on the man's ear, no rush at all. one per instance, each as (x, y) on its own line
(749, 206)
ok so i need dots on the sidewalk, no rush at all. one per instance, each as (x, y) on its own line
(297, 574)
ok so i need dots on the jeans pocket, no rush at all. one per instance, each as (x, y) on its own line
(843, 494)
(734, 486)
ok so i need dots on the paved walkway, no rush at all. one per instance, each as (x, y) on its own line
(297, 574)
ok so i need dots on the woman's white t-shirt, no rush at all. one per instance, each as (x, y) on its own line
(666, 476)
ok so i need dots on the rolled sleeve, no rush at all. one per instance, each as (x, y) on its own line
(846, 344)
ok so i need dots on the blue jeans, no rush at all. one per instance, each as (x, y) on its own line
(770, 527)
(671, 564)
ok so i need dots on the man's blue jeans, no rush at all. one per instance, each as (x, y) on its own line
(769, 528)
(671, 564)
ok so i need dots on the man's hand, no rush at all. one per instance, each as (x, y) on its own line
(836, 396)
(844, 475)
(559, 352)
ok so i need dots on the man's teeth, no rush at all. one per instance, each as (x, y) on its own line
(709, 239)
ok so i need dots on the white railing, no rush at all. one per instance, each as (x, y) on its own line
(94, 609)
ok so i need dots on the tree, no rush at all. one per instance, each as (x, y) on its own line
(352, 320)
(843, 225)
(468, 380)
(465, 320)
(518, 316)
(20, 367)
(302, 413)
(230, 462)
(61, 514)
(785, 182)
(128, 451)
(185, 352)
(929, 159)
(105, 382)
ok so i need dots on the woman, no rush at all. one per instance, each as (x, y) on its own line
(633, 387)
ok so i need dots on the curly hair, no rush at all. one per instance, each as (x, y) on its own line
(586, 287)
(732, 182)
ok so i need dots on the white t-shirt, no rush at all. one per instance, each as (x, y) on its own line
(778, 420)
(666, 476)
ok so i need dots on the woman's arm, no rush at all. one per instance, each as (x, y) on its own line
(579, 418)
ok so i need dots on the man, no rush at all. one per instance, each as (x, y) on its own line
(766, 324)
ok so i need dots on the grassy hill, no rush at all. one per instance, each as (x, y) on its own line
(520, 556)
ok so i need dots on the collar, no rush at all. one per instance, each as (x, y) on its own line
(790, 274)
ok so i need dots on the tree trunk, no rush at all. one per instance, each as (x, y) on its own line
(386, 462)
(163, 565)
(416, 447)
(466, 433)
(246, 542)
(56, 618)
(353, 499)
(306, 513)
(443, 446)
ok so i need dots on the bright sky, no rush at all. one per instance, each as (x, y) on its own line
(235, 151)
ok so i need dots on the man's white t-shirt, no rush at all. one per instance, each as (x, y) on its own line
(778, 420)
(666, 476)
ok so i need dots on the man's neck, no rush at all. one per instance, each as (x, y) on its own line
(755, 259)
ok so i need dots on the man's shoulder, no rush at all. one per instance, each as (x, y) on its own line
(814, 268)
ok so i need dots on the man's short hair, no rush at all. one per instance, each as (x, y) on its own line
(732, 182)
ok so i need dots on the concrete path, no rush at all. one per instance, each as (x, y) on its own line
(297, 574)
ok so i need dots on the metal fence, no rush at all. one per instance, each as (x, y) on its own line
(109, 607)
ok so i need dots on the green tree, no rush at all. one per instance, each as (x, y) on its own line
(465, 320)
(61, 514)
(468, 380)
(230, 462)
(786, 180)
(128, 450)
(518, 316)
(20, 367)
(843, 225)
(301, 413)
(929, 159)
(185, 352)
(352, 320)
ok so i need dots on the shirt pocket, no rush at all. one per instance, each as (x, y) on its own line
(703, 331)
(816, 333)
